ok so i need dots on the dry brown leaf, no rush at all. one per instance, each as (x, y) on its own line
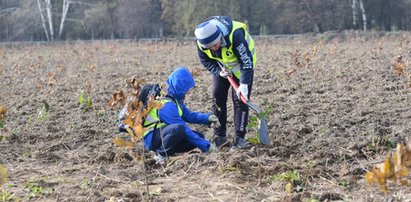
(388, 168)
(91, 67)
(399, 65)
(158, 105)
(129, 120)
(61, 68)
(122, 143)
(136, 113)
(405, 182)
(3, 111)
(117, 98)
(51, 79)
(39, 85)
(138, 131)
(394, 167)
(406, 157)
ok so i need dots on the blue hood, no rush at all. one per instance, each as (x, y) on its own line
(179, 82)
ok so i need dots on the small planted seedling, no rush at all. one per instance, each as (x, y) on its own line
(44, 111)
(253, 126)
(85, 183)
(36, 189)
(83, 98)
(292, 178)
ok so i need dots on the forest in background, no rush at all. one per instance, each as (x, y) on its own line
(50, 20)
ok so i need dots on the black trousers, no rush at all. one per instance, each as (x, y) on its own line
(221, 87)
(170, 140)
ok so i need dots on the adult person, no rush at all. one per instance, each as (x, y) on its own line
(225, 48)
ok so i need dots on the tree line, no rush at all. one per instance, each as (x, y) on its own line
(49, 20)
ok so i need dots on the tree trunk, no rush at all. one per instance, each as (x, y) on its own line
(387, 17)
(66, 5)
(354, 12)
(50, 18)
(364, 15)
(43, 21)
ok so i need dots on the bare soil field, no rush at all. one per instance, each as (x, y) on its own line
(336, 103)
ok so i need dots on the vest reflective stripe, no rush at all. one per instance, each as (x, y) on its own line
(229, 60)
(152, 118)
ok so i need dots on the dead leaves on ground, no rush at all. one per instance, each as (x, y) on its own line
(399, 65)
(51, 79)
(303, 60)
(394, 168)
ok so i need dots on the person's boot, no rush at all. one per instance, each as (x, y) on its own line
(212, 148)
(239, 143)
(159, 159)
(220, 141)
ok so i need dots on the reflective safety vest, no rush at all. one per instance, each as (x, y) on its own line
(229, 60)
(152, 119)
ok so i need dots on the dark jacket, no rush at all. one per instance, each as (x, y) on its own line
(226, 26)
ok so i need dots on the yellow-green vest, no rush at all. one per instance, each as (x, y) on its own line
(229, 60)
(153, 119)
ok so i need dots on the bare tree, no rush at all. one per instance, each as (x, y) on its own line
(364, 15)
(354, 12)
(50, 31)
(354, 6)
(66, 5)
(50, 18)
(43, 21)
